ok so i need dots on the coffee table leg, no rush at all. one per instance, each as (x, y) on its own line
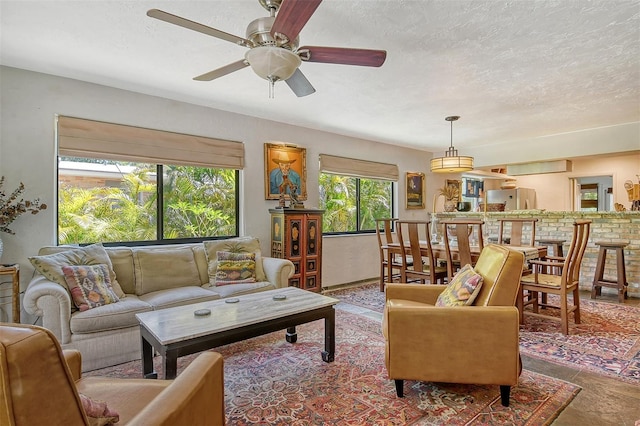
(147, 361)
(170, 365)
(328, 355)
(291, 336)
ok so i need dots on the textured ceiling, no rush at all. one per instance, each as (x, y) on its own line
(511, 69)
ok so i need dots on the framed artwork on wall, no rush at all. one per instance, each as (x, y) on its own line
(473, 188)
(415, 190)
(285, 169)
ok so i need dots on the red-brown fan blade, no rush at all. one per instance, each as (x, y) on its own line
(292, 16)
(182, 22)
(227, 69)
(342, 55)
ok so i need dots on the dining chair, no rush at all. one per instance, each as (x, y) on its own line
(418, 260)
(561, 285)
(389, 259)
(459, 235)
(512, 231)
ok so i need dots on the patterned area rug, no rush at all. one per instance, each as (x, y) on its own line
(271, 382)
(606, 342)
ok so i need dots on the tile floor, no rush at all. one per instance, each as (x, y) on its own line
(601, 402)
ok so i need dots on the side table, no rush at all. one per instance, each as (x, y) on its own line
(14, 271)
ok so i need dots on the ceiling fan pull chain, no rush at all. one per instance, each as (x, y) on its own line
(271, 88)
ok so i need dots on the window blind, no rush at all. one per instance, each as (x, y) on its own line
(95, 139)
(358, 168)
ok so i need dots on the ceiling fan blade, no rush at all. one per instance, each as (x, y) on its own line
(182, 22)
(227, 69)
(292, 16)
(342, 55)
(299, 84)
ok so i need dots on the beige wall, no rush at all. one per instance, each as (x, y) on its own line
(30, 101)
(553, 190)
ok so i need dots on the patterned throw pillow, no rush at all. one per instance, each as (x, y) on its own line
(462, 290)
(234, 245)
(90, 286)
(51, 265)
(98, 412)
(235, 268)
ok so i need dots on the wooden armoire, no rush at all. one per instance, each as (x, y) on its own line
(296, 234)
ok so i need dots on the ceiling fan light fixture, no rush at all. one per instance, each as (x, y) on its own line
(451, 162)
(273, 63)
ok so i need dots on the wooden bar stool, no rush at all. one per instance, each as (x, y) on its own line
(621, 279)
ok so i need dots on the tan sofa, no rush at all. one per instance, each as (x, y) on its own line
(40, 386)
(151, 277)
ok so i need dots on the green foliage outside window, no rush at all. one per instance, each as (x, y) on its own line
(352, 204)
(197, 202)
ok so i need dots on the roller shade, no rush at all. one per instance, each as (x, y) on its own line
(95, 139)
(358, 168)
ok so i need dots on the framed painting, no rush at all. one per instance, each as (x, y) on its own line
(415, 190)
(473, 188)
(285, 169)
(457, 184)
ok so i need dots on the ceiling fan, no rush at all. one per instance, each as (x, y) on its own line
(273, 45)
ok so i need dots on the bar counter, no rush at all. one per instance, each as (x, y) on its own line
(606, 226)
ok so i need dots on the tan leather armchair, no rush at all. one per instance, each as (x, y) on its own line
(40, 386)
(465, 344)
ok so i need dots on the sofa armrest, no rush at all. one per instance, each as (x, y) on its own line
(278, 271)
(464, 344)
(196, 396)
(52, 302)
(423, 293)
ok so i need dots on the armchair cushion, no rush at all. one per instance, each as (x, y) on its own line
(90, 285)
(462, 290)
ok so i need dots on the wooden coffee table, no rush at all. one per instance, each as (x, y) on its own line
(176, 332)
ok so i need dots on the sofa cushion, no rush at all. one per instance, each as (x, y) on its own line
(90, 285)
(235, 268)
(109, 317)
(50, 265)
(462, 290)
(201, 260)
(178, 296)
(240, 289)
(161, 268)
(122, 262)
(234, 245)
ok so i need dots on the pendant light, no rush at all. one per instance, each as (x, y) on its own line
(451, 162)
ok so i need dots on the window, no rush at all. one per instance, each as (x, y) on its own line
(115, 201)
(352, 204)
(124, 184)
(354, 193)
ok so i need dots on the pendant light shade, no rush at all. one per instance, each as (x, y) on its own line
(451, 162)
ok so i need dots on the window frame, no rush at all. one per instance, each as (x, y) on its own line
(159, 215)
(358, 231)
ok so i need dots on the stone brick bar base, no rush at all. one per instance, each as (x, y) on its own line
(606, 226)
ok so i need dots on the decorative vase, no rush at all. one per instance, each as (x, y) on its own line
(449, 206)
